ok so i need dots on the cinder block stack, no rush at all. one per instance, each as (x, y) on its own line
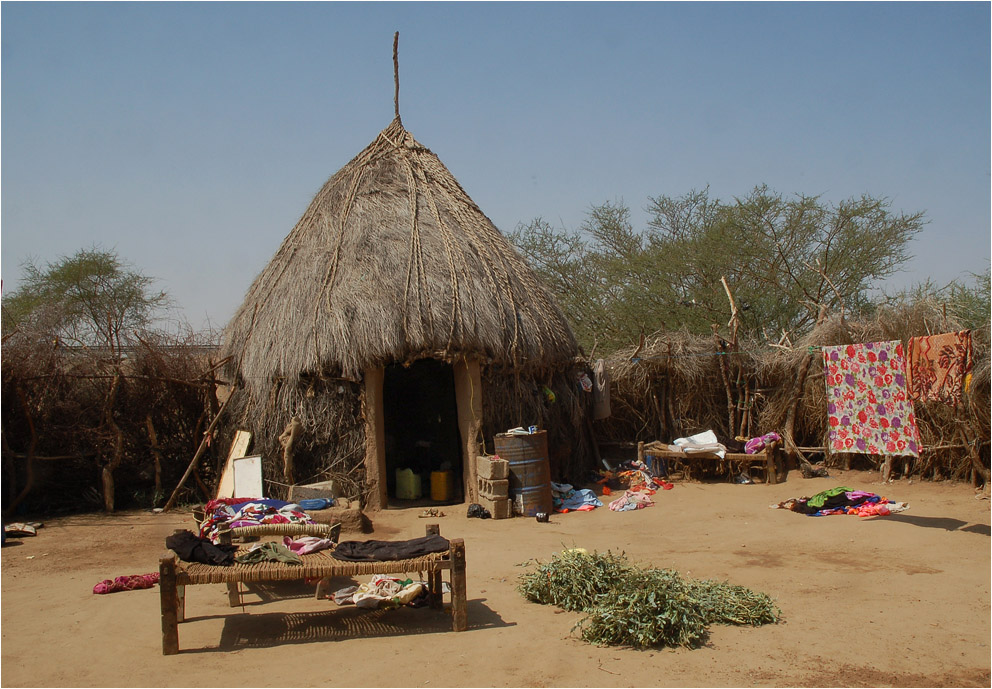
(494, 486)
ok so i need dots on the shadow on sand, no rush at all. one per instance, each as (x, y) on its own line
(281, 628)
(945, 523)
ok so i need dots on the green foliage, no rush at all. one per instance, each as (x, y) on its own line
(724, 603)
(784, 259)
(91, 298)
(968, 303)
(641, 607)
(653, 607)
(574, 580)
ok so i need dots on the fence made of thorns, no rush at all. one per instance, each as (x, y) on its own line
(674, 384)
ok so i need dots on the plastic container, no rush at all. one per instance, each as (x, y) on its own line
(530, 472)
(408, 485)
(442, 486)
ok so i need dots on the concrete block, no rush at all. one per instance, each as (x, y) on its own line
(500, 509)
(324, 489)
(497, 489)
(489, 468)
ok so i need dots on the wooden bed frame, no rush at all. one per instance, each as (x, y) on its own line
(175, 575)
(770, 458)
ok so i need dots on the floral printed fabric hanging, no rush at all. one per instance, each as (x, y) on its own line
(868, 407)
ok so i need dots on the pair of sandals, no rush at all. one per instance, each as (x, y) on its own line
(431, 512)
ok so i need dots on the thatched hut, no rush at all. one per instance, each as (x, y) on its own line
(377, 322)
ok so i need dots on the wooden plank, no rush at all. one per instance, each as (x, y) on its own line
(459, 615)
(169, 597)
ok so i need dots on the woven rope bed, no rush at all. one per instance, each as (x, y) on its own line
(323, 530)
(175, 575)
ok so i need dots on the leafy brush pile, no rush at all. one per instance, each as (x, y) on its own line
(627, 605)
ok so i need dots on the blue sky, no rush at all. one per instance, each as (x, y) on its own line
(190, 137)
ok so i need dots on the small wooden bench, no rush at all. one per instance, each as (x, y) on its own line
(770, 458)
(175, 575)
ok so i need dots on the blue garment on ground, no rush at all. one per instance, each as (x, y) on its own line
(566, 497)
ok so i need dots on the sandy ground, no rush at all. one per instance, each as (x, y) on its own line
(887, 601)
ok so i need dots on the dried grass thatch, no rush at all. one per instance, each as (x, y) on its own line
(392, 261)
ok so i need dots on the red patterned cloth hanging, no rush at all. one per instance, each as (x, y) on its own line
(938, 366)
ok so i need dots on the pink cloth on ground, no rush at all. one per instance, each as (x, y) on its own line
(128, 582)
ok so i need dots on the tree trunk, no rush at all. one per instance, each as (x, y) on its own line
(107, 473)
(156, 457)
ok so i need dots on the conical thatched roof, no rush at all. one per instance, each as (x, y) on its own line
(392, 261)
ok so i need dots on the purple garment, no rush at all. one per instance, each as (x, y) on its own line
(756, 445)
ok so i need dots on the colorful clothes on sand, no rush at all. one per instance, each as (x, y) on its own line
(565, 498)
(842, 500)
(867, 403)
(938, 367)
(632, 500)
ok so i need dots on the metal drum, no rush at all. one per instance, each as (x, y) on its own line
(530, 472)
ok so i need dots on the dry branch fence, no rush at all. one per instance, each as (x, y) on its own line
(87, 430)
(676, 384)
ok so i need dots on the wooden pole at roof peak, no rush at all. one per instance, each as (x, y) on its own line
(396, 74)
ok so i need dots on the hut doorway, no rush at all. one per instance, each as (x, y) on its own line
(421, 434)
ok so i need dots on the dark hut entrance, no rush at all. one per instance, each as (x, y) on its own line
(422, 438)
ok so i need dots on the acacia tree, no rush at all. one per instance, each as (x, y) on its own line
(92, 298)
(785, 259)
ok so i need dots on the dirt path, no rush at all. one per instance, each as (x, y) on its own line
(896, 601)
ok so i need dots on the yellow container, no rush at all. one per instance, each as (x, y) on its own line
(408, 485)
(442, 486)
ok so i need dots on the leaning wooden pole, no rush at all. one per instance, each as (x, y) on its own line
(199, 452)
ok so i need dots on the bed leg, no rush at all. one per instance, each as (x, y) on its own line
(323, 588)
(169, 597)
(459, 617)
(435, 599)
(180, 603)
(233, 594)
